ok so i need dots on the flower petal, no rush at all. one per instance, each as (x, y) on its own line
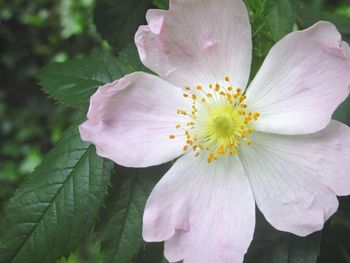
(189, 45)
(295, 179)
(130, 120)
(304, 78)
(204, 212)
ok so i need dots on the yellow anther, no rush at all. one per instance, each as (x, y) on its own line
(256, 115)
(181, 112)
(242, 98)
(233, 151)
(189, 142)
(217, 126)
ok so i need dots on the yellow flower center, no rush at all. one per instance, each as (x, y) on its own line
(219, 122)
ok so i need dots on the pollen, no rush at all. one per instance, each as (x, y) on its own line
(219, 121)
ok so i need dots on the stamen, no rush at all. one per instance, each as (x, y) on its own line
(218, 122)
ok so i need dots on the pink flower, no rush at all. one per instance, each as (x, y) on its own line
(273, 144)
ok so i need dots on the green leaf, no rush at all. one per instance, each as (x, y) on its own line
(291, 249)
(272, 246)
(162, 4)
(343, 112)
(73, 82)
(57, 206)
(121, 238)
(117, 20)
(280, 18)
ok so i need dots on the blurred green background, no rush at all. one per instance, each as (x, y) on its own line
(34, 33)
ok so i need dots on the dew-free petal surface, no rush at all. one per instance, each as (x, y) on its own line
(295, 179)
(130, 121)
(197, 42)
(204, 212)
(303, 79)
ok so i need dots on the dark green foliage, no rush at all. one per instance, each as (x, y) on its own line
(57, 206)
(121, 237)
(118, 20)
(73, 82)
(280, 18)
(272, 246)
(294, 250)
(291, 249)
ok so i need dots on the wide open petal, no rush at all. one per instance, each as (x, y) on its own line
(304, 78)
(204, 212)
(295, 179)
(130, 120)
(198, 42)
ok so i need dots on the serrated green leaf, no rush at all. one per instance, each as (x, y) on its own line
(57, 206)
(73, 82)
(118, 20)
(280, 18)
(121, 238)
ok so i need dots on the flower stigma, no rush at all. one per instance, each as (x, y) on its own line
(218, 120)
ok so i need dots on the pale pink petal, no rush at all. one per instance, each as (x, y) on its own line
(204, 212)
(295, 179)
(198, 42)
(304, 78)
(130, 120)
